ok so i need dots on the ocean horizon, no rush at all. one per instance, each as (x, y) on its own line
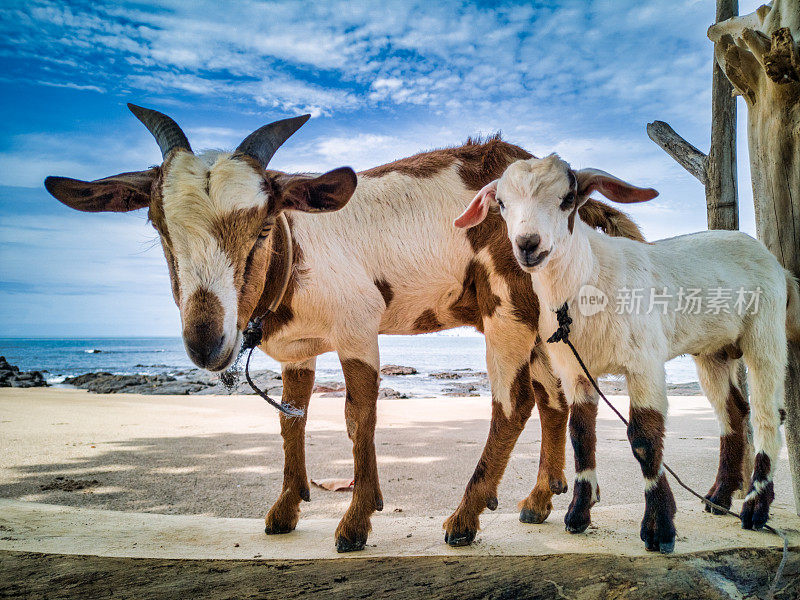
(61, 357)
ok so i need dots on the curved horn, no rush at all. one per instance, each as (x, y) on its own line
(264, 142)
(166, 131)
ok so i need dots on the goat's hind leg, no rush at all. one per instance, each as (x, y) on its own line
(646, 435)
(298, 381)
(512, 402)
(719, 380)
(767, 370)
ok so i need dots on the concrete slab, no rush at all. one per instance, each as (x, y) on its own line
(33, 527)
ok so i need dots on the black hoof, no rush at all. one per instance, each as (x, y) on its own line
(345, 545)
(755, 510)
(719, 496)
(557, 486)
(461, 538)
(658, 538)
(491, 503)
(379, 504)
(278, 529)
(526, 515)
(576, 527)
(305, 495)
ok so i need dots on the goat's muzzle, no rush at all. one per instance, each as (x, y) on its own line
(204, 336)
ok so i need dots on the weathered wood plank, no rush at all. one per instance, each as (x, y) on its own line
(686, 155)
(590, 577)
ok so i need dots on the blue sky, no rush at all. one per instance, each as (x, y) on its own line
(382, 81)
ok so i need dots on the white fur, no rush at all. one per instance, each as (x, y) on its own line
(589, 475)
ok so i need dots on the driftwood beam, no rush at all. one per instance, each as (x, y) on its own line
(686, 155)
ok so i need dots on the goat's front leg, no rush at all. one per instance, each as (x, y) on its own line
(646, 435)
(512, 403)
(298, 381)
(583, 434)
(360, 412)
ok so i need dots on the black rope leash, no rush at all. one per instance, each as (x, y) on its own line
(251, 338)
(562, 335)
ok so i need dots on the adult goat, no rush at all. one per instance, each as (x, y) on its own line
(387, 262)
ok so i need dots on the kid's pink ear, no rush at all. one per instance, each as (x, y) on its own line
(613, 188)
(478, 208)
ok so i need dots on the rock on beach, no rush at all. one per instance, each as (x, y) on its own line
(11, 376)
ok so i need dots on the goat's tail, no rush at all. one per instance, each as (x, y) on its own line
(792, 308)
(614, 222)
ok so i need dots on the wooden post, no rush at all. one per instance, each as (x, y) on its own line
(722, 203)
(759, 55)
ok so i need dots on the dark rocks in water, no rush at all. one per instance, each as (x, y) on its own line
(108, 383)
(11, 376)
(389, 393)
(466, 389)
(447, 375)
(397, 370)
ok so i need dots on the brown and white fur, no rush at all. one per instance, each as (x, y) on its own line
(538, 200)
(388, 262)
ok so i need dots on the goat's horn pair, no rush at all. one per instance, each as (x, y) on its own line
(261, 144)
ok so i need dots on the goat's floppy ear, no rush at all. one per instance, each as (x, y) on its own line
(611, 187)
(478, 208)
(118, 193)
(328, 192)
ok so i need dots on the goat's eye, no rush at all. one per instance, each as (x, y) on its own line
(264, 232)
(500, 204)
(568, 201)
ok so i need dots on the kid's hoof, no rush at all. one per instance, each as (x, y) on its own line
(491, 503)
(718, 500)
(755, 510)
(305, 495)
(526, 515)
(666, 547)
(658, 537)
(345, 545)
(277, 529)
(460, 538)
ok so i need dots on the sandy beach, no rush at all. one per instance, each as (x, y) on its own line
(221, 455)
(103, 490)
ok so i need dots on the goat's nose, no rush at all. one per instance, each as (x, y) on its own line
(203, 342)
(528, 243)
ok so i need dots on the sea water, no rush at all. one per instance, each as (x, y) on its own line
(459, 349)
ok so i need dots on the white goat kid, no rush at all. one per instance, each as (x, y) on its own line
(538, 199)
